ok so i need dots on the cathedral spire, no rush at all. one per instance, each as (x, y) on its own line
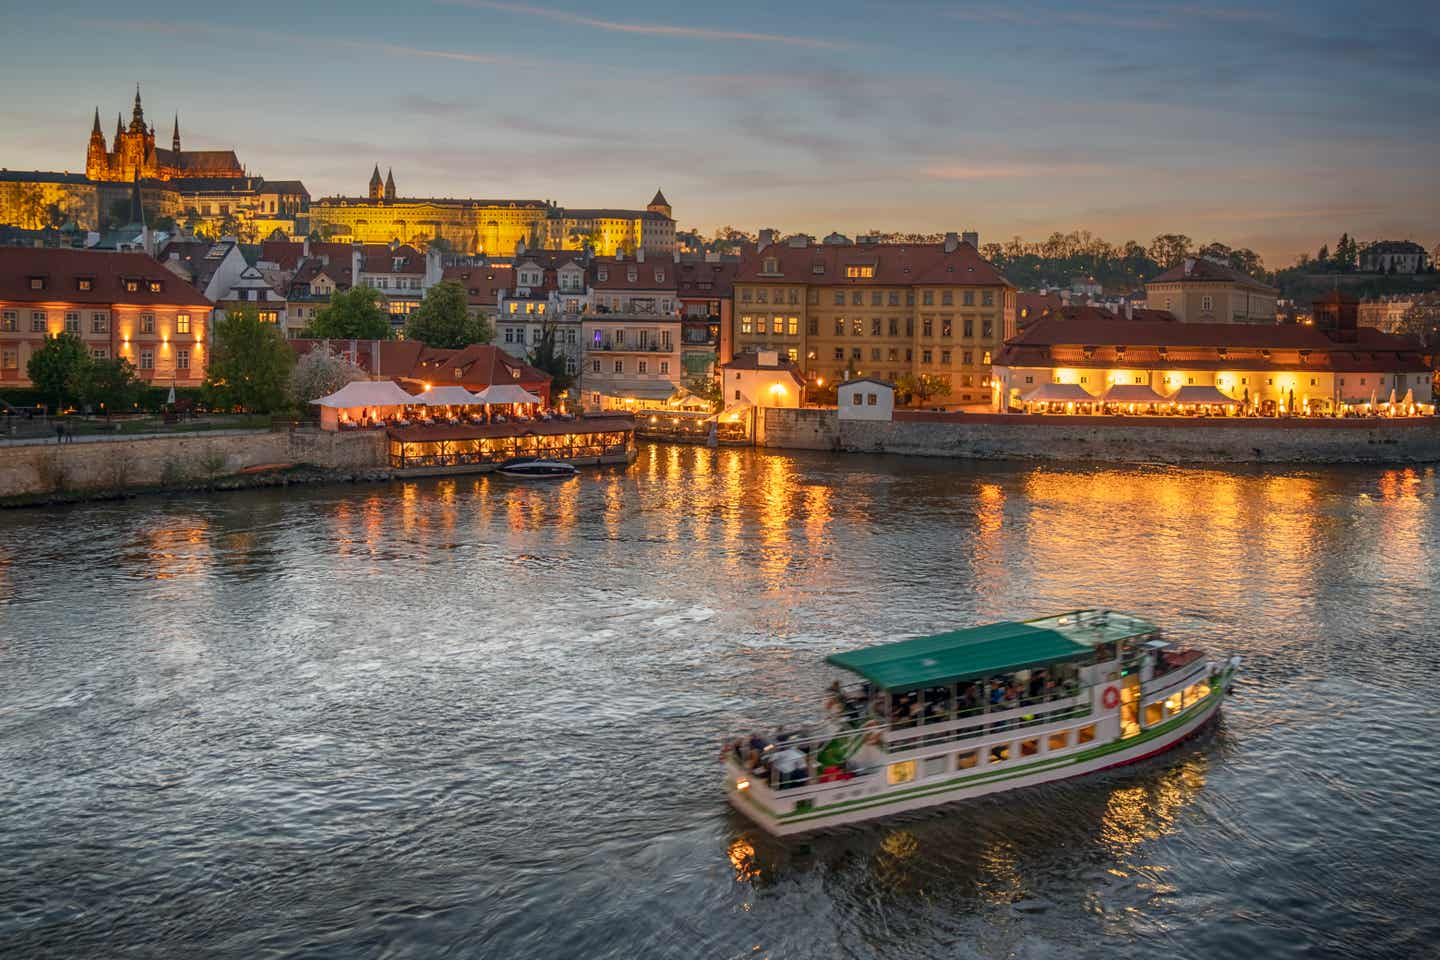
(119, 129)
(137, 116)
(390, 184)
(377, 187)
(175, 137)
(95, 130)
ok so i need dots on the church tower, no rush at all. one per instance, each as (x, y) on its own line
(377, 187)
(175, 137)
(659, 205)
(389, 184)
(96, 159)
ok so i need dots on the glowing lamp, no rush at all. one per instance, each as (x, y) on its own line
(742, 784)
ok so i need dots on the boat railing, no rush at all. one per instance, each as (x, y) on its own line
(1026, 713)
(1175, 678)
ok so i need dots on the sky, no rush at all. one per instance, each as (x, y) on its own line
(1270, 125)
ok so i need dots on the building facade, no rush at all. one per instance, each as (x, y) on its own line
(1261, 367)
(1393, 256)
(118, 304)
(133, 154)
(705, 289)
(1203, 291)
(608, 232)
(841, 311)
(549, 292)
(631, 334)
(1386, 313)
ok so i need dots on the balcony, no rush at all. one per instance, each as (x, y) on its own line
(609, 346)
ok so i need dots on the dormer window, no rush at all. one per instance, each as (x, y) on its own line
(397, 263)
(1164, 352)
(85, 283)
(132, 285)
(772, 265)
(154, 286)
(818, 268)
(860, 271)
(459, 372)
(631, 274)
(603, 275)
(659, 276)
(1222, 352)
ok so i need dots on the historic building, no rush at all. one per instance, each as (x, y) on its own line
(133, 154)
(609, 232)
(1204, 291)
(841, 311)
(310, 273)
(118, 304)
(1268, 369)
(549, 291)
(705, 288)
(1393, 256)
(631, 334)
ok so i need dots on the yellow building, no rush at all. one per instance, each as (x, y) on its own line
(613, 232)
(881, 310)
(1203, 291)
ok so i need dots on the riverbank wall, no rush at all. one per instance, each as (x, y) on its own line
(72, 470)
(1111, 439)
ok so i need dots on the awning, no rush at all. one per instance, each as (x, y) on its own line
(959, 655)
(505, 393)
(660, 390)
(1197, 394)
(367, 393)
(1132, 393)
(1059, 393)
(446, 397)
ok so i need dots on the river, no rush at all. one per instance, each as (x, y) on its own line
(475, 718)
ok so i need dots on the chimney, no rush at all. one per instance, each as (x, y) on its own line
(1189, 265)
(952, 240)
(639, 254)
(971, 237)
(767, 237)
(1129, 310)
(768, 358)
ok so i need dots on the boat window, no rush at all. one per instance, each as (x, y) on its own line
(966, 760)
(934, 766)
(1172, 704)
(902, 772)
(1085, 734)
(1154, 713)
(1000, 753)
(1059, 741)
(1196, 692)
(1028, 748)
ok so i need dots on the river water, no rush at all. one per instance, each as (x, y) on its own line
(472, 718)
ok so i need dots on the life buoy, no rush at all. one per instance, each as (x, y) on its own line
(1111, 698)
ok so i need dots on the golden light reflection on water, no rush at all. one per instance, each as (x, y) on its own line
(1139, 813)
(181, 549)
(776, 487)
(998, 879)
(742, 860)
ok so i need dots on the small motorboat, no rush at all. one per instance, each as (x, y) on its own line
(533, 468)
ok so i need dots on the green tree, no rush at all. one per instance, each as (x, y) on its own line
(443, 319)
(707, 388)
(352, 314)
(922, 387)
(545, 357)
(58, 369)
(1347, 253)
(249, 364)
(1169, 249)
(110, 385)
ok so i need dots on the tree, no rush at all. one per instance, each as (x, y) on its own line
(353, 314)
(1248, 262)
(1169, 249)
(58, 368)
(443, 319)
(922, 387)
(1347, 253)
(1215, 250)
(249, 364)
(440, 245)
(110, 385)
(545, 357)
(707, 388)
(320, 373)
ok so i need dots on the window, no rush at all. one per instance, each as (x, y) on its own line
(987, 330)
(182, 359)
(857, 298)
(147, 359)
(902, 772)
(927, 356)
(571, 367)
(37, 321)
(870, 400)
(1312, 381)
(876, 298)
(644, 366)
(772, 265)
(969, 327)
(945, 357)
(855, 353)
(154, 286)
(147, 323)
(594, 366)
(619, 366)
(1207, 302)
(1154, 713)
(967, 357)
(860, 271)
(664, 367)
(132, 285)
(509, 335)
(875, 354)
(969, 298)
(1058, 741)
(1085, 734)
(9, 321)
(909, 298)
(1172, 703)
(856, 399)
(37, 283)
(1028, 748)
(893, 355)
(813, 327)
(987, 299)
(9, 360)
(947, 327)
(927, 327)
(85, 283)
(72, 322)
(839, 353)
(793, 324)
(269, 316)
(928, 298)
(909, 326)
(99, 324)
(964, 761)
(182, 323)
(875, 327)
(857, 327)
(778, 325)
(839, 298)
(1000, 753)
(762, 295)
(840, 327)
(747, 323)
(737, 394)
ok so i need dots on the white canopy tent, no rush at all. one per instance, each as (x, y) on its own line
(362, 400)
(1203, 395)
(447, 397)
(1141, 393)
(505, 393)
(1059, 393)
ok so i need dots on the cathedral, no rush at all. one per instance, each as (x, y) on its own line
(135, 155)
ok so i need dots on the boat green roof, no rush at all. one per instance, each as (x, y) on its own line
(959, 655)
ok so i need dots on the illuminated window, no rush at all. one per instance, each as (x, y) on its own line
(9, 321)
(1000, 753)
(147, 323)
(875, 327)
(986, 357)
(860, 271)
(154, 286)
(1085, 734)
(747, 324)
(1058, 741)
(1173, 704)
(9, 360)
(1028, 748)
(870, 400)
(132, 286)
(902, 772)
(793, 323)
(85, 283)
(857, 327)
(1154, 713)
(182, 323)
(966, 760)
(37, 283)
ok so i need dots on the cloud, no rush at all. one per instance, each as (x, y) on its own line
(405, 51)
(1014, 171)
(648, 29)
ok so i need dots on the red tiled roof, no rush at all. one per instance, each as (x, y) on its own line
(61, 270)
(893, 264)
(379, 258)
(617, 274)
(1200, 270)
(482, 284)
(480, 364)
(751, 361)
(706, 280)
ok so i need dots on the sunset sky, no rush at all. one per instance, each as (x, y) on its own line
(1273, 126)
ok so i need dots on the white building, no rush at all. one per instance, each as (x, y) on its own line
(866, 399)
(761, 379)
(631, 334)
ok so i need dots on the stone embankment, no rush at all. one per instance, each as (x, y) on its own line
(232, 460)
(1112, 439)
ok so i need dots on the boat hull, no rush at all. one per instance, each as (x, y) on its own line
(881, 801)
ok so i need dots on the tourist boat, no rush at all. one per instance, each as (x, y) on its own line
(533, 468)
(931, 720)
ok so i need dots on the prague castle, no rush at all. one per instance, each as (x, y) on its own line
(135, 155)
